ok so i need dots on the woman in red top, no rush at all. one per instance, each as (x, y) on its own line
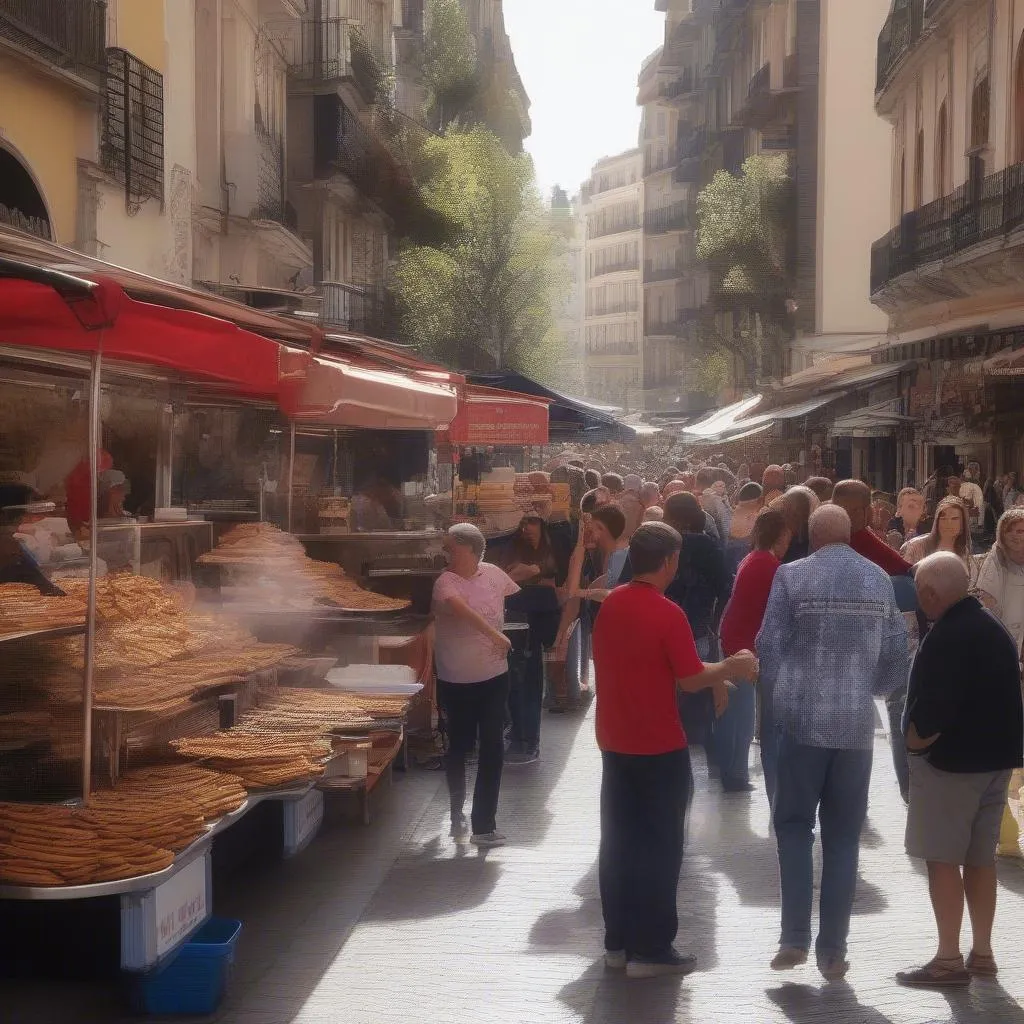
(741, 623)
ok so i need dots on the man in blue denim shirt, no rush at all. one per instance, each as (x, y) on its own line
(833, 639)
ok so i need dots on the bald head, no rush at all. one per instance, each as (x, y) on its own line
(942, 581)
(774, 478)
(828, 524)
(855, 497)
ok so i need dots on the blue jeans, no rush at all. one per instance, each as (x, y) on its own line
(832, 786)
(733, 734)
(769, 745)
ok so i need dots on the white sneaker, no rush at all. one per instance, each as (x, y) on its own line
(488, 840)
(615, 959)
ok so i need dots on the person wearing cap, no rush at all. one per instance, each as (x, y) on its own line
(113, 489)
(19, 505)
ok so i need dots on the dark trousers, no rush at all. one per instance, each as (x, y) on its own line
(733, 733)
(643, 817)
(830, 787)
(526, 701)
(472, 709)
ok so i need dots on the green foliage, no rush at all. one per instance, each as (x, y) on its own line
(743, 226)
(486, 296)
(712, 372)
(450, 62)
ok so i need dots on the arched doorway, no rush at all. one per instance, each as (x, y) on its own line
(21, 203)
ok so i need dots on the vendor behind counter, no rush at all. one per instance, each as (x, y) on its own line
(19, 507)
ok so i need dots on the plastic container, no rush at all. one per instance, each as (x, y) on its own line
(194, 982)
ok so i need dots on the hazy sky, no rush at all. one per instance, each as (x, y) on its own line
(579, 61)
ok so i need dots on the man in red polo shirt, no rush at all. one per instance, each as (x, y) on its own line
(643, 649)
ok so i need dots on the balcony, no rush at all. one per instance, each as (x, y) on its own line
(329, 51)
(615, 227)
(653, 164)
(692, 145)
(613, 308)
(653, 274)
(901, 31)
(778, 140)
(760, 83)
(65, 36)
(357, 308)
(621, 267)
(677, 217)
(689, 171)
(613, 348)
(981, 211)
(682, 86)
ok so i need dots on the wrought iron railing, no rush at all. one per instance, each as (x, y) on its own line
(613, 348)
(322, 51)
(619, 225)
(677, 217)
(692, 145)
(270, 181)
(685, 83)
(900, 32)
(618, 267)
(613, 308)
(976, 212)
(132, 137)
(67, 34)
(358, 308)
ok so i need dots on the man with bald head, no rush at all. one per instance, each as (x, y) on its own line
(773, 483)
(832, 640)
(965, 724)
(854, 497)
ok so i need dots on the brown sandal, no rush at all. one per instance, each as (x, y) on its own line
(936, 974)
(982, 965)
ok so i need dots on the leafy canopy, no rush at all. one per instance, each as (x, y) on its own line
(485, 296)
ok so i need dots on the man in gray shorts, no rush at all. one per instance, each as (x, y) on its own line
(965, 724)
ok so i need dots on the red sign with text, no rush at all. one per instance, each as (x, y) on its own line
(491, 417)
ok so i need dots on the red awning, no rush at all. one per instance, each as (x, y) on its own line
(196, 346)
(493, 416)
(330, 392)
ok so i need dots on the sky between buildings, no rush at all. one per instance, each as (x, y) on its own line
(579, 61)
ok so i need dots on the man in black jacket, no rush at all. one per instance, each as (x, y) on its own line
(965, 724)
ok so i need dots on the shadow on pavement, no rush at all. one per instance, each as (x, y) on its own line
(804, 1003)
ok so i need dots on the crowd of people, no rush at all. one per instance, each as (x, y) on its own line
(716, 605)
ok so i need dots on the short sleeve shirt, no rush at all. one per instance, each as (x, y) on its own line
(464, 654)
(642, 645)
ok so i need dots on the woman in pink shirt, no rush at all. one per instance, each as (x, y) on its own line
(471, 653)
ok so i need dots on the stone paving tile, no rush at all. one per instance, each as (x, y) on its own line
(393, 923)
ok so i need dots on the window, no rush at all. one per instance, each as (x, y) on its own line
(980, 114)
(942, 184)
(661, 124)
(919, 171)
(132, 144)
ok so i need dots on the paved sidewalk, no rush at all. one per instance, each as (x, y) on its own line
(394, 924)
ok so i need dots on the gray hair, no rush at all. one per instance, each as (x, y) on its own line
(466, 535)
(945, 574)
(650, 492)
(829, 524)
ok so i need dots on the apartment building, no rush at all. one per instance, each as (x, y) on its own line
(948, 272)
(568, 222)
(790, 77)
(613, 211)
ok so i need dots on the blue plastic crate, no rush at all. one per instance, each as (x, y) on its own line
(196, 979)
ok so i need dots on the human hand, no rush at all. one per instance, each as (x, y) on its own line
(720, 693)
(743, 665)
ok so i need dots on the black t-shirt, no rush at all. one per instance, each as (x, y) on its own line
(966, 685)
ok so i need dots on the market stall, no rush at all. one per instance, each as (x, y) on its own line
(163, 719)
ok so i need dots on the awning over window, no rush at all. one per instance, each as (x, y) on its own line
(1006, 364)
(721, 421)
(99, 317)
(490, 416)
(329, 392)
(874, 421)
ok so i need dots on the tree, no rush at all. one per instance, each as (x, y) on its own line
(449, 62)
(743, 234)
(484, 298)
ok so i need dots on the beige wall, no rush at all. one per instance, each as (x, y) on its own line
(853, 173)
(43, 123)
(139, 28)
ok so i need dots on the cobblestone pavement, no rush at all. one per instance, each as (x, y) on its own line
(395, 924)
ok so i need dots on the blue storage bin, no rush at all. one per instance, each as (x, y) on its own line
(196, 979)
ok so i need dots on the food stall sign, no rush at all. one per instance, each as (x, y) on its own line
(500, 420)
(157, 921)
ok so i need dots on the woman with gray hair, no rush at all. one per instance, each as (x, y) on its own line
(471, 653)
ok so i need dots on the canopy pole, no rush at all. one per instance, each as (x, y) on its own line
(90, 615)
(291, 473)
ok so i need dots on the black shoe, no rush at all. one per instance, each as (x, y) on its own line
(670, 962)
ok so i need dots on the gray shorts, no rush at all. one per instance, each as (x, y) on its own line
(954, 818)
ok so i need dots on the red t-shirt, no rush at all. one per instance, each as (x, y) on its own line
(865, 543)
(642, 645)
(745, 611)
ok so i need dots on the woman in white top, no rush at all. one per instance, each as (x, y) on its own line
(1001, 589)
(950, 532)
